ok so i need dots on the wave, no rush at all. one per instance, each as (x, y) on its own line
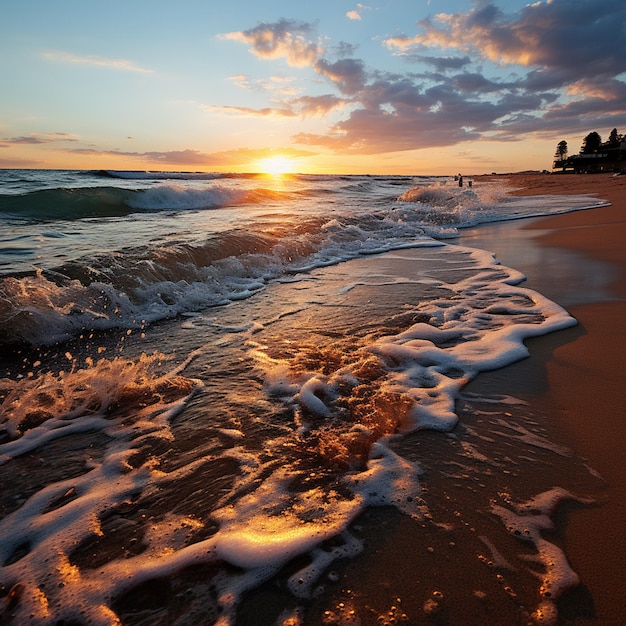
(96, 202)
(130, 287)
(175, 197)
(148, 175)
(67, 204)
(160, 175)
(137, 286)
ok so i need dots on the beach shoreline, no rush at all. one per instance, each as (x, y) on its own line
(583, 372)
(459, 528)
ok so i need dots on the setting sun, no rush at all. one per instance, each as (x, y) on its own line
(276, 165)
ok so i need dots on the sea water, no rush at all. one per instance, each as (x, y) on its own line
(222, 394)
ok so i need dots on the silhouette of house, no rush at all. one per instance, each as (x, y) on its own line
(609, 157)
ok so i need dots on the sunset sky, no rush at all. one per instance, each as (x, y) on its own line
(331, 86)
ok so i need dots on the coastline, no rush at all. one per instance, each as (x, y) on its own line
(454, 561)
(582, 374)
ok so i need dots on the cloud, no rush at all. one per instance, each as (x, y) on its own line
(344, 49)
(355, 14)
(283, 39)
(250, 112)
(195, 158)
(473, 83)
(348, 75)
(19, 163)
(178, 157)
(241, 80)
(441, 64)
(414, 120)
(562, 42)
(550, 69)
(173, 157)
(318, 106)
(95, 61)
(610, 90)
(278, 84)
(304, 106)
(39, 138)
(572, 37)
(394, 112)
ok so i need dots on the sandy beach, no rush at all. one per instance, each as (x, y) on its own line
(583, 381)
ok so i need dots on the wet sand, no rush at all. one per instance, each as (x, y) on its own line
(578, 375)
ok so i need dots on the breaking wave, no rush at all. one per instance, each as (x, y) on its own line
(99, 202)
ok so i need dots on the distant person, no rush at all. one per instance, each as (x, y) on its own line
(470, 183)
(460, 181)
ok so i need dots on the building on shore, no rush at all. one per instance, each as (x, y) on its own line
(607, 158)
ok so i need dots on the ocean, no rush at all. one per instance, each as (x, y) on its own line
(239, 399)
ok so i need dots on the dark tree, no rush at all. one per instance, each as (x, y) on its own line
(614, 138)
(561, 150)
(591, 143)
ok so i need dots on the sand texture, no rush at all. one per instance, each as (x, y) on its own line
(586, 386)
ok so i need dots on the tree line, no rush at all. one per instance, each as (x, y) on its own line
(592, 143)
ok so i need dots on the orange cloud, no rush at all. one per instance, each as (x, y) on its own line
(355, 14)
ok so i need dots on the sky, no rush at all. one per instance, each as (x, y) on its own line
(331, 86)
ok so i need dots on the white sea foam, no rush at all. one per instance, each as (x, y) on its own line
(527, 521)
(119, 398)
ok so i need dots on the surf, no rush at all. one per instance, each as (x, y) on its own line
(107, 202)
(67, 204)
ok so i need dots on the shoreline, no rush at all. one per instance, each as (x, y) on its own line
(443, 556)
(582, 370)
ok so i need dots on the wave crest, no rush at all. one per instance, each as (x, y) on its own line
(97, 202)
(177, 197)
(67, 204)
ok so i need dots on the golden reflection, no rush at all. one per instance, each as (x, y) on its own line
(102, 387)
(69, 573)
(364, 410)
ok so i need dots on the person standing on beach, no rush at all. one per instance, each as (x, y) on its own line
(460, 180)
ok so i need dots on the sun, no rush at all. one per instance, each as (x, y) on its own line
(276, 165)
